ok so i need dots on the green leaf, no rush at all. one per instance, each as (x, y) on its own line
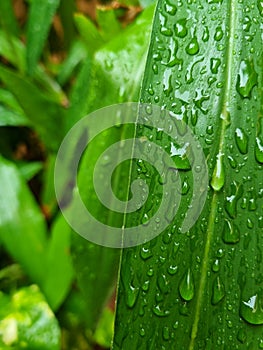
(203, 289)
(26, 321)
(8, 21)
(108, 23)
(119, 65)
(59, 270)
(40, 18)
(13, 50)
(89, 258)
(88, 32)
(76, 54)
(22, 226)
(29, 170)
(43, 114)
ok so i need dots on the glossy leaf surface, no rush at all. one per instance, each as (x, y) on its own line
(105, 90)
(26, 321)
(203, 289)
(40, 18)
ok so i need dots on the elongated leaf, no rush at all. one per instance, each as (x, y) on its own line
(22, 227)
(89, 258)
(13, 50)
(7, 19)
(27, 322)
(89, 33)
(59, 271)
(40, 17)
(203, 289)
(43, 114)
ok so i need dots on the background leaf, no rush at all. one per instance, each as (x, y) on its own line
(40, 17)
(27, 321)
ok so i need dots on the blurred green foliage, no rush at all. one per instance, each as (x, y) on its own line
(59, 60)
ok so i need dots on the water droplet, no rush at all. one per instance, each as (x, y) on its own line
(159, 312)
(231, 233)
(180, 28)
(260, 7)
(167, 82)
(150, 272)
(247, 78)
(232, 162)
(218, 34)
(218, 178)
(247, 24)
(185, 187)
(259, 150)
(251, 309)
(131, 295)
(163, 283)
(186, 287)
(215, 266)
(155, 68)
(218, 292)
(241, 140)
(145, 286)
(172, 269)
(205, 36)
(146, 253)
(170, 8)
(241, 335)
(231, 201)
(193, 47)
(250, 224)
(214, 65)
(166, 31)
(142, 332)
(166, 335)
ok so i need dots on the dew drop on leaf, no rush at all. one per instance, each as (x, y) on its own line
(231, 201)
(218, 178)
(205, 36)
(241, 140)
(247, 78)
(193, 47)
(170, 8)
(218, 291)
(180, 28)
(260, 7)
(214, 65)
(251, 309)
(231, 233)
(159, 312)
(131, 295)
(186, 287)
(241, 335)
(218, 34)
(216, 265)
(259, 150)
(166, 333)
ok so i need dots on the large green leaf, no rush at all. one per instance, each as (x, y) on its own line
(203, 289)
(105, 89)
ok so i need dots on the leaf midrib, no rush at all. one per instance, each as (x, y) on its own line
(224, 115)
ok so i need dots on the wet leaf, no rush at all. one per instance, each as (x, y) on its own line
(202, 289)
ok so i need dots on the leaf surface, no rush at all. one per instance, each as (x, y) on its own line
(203, 289)
(40, 18)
